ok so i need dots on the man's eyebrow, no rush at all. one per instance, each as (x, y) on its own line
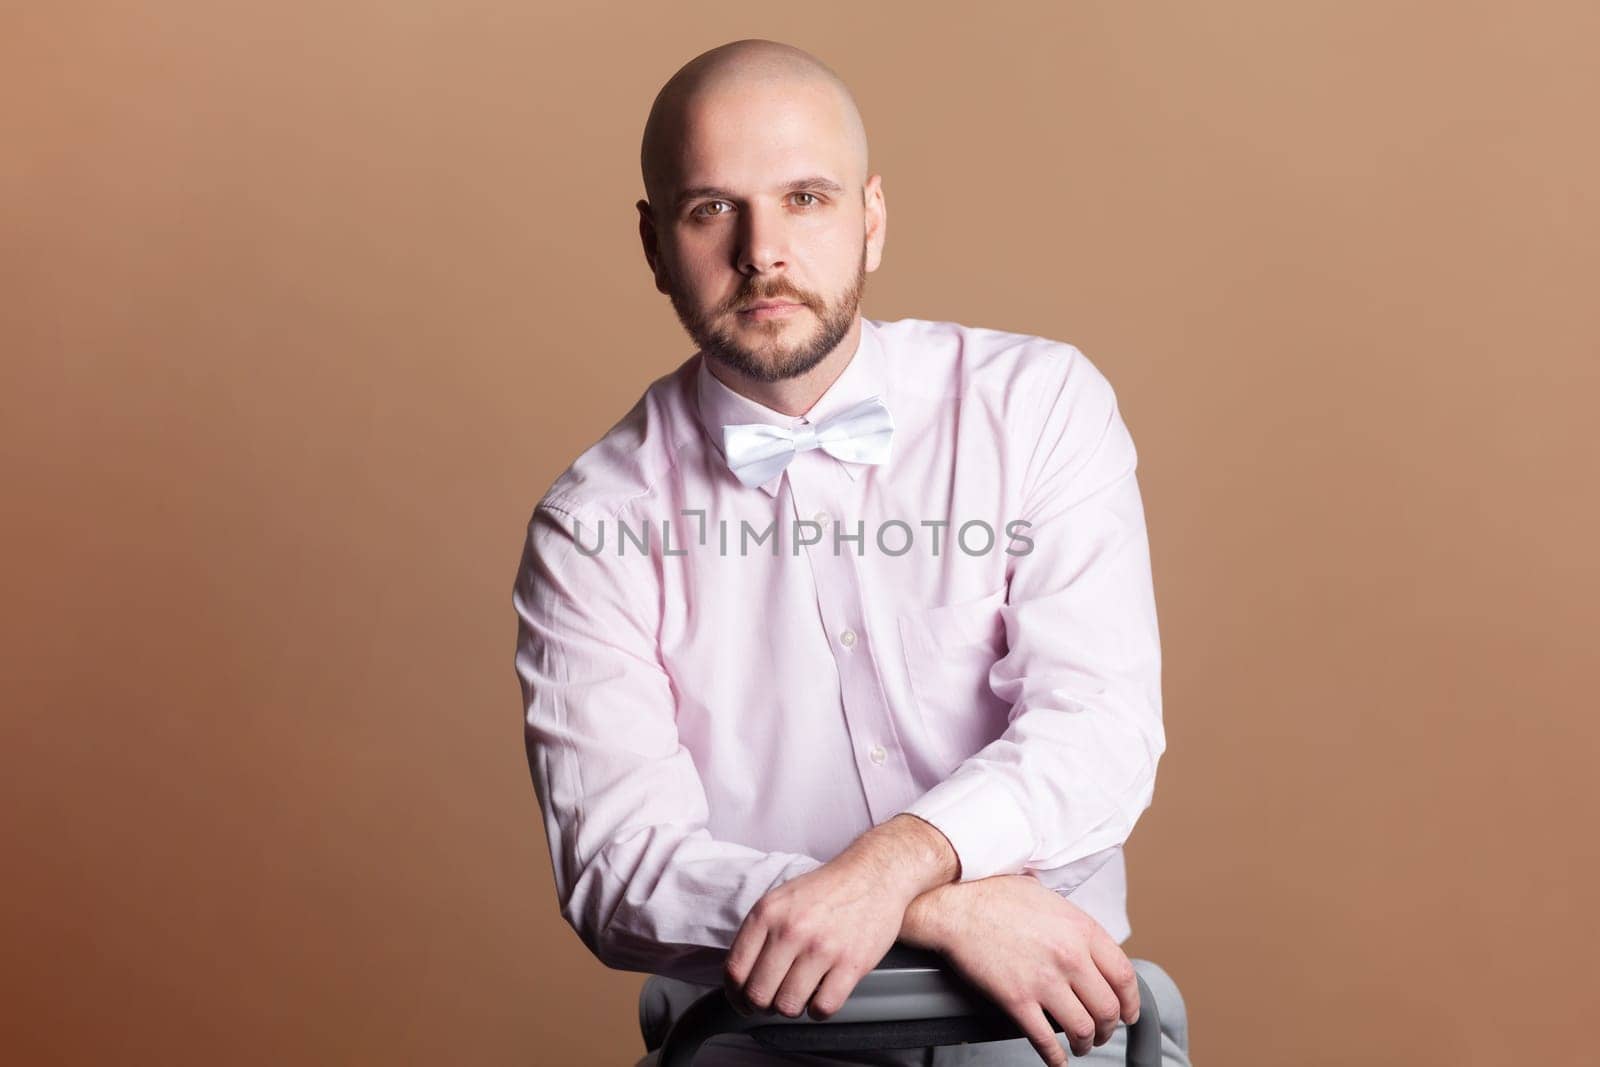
(816, 183)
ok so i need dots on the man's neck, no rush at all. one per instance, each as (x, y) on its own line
(794, 396)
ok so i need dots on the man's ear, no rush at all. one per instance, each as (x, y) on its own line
(652, 247)
(877, 220)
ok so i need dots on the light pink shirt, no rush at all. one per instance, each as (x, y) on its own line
(704, 725)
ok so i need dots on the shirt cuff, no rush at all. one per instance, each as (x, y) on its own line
(1069, 876)
(986, 826)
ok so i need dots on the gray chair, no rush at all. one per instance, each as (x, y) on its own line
(912, 999)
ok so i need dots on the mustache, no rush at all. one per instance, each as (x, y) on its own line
(748, 297)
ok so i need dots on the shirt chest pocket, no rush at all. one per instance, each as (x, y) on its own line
(948, 653)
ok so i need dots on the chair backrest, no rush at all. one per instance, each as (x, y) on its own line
(912, 999)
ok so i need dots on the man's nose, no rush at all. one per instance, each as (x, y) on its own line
(763, 239)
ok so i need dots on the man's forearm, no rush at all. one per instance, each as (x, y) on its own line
(914, 852)
(938, 918)
(928, 920)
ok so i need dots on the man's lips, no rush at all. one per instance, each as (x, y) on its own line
(770, 308)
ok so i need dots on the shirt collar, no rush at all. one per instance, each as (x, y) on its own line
(862, 377)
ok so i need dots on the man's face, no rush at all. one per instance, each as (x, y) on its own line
(759, 210)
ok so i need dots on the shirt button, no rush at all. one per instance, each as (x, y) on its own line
(848, 639)
(878, 754)
(821, 518)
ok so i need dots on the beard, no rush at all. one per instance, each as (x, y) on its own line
(774, 359)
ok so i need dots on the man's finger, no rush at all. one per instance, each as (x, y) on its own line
(834, 990)
(1040, 1036)
(1076, 1022)
(1114, 965)
(1100, 1002)
(741, 958)
(798, 986)
(771, 967)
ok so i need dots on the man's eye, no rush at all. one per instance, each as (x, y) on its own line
(705, 211)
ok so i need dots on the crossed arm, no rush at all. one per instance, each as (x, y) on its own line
(976, 868)
(806, 944)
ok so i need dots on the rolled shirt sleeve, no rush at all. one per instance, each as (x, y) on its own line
(638, 875)
(1060, 790)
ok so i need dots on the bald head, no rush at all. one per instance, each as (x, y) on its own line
(690, 100)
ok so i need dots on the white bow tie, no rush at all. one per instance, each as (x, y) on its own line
(859, 433)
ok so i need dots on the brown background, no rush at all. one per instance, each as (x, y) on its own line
(302, 311)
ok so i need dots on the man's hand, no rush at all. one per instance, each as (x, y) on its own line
(1031, 951)
(809, 941)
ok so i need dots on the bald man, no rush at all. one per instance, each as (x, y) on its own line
(762, 769)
